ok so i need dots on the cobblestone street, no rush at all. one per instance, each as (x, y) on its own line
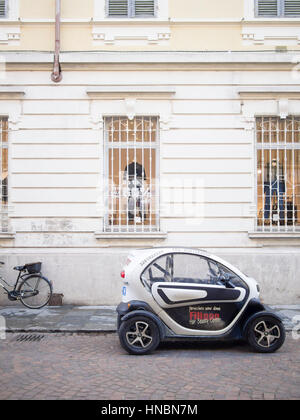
(94, 366)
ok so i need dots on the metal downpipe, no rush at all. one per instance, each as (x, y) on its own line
(56, 75)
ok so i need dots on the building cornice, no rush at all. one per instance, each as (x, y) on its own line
(206, 60)
(157, 21)
(12, 92)
(153, 56)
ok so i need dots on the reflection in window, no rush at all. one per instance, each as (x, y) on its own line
(132, 198)
(278, 173)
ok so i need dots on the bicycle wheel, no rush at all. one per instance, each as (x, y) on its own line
(35, 291)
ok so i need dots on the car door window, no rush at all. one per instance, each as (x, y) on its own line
(235, 280)
(188, 268)
(182, 268)
(158, 271)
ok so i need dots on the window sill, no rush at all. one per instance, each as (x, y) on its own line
(262, 19)
(271, 235)
(126, 20)
(135, 235)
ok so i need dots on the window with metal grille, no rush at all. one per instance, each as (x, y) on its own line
(278, 174)
(4, 174)
(131, 151)
(3, 8)
(277, 8)
(131, 8)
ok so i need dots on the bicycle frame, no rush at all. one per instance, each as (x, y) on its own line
(14, 288)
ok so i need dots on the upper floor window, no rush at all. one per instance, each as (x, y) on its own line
(278, 8)
(3, 8)
(131, 8)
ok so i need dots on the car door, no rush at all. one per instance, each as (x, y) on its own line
(188, 288)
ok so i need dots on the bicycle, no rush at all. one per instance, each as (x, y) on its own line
(31, 288)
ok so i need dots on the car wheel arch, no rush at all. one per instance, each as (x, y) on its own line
(257, 315)
(150, 315)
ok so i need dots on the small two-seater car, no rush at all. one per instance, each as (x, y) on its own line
(188, 294)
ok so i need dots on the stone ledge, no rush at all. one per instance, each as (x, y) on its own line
(130, 89)
(128, 235)
(271, 235)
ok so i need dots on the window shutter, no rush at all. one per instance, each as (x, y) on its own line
(2, 8)
(117, 7)
(267, 7)
(292, 8)
(144, 7)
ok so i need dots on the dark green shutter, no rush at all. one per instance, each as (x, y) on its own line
(117, 7)
(144, 8)
(292, 8)
(2, 8)
(267, 8)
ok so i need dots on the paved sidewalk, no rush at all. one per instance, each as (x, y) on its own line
(66, 318)
(70, 318)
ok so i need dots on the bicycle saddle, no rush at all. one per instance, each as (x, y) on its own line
(20, 267)
(2, 263)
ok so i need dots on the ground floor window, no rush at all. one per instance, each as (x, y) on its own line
(4, 173)
(278, 173)
(131, 157)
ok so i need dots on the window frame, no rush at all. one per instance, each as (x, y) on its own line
(131, 11)
(278, 229)
(127, 229)
(280, 11)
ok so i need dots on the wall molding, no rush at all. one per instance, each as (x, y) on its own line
(10, 35)
(131, 34)
(123, 92)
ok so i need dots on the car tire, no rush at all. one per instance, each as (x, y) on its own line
(139, 335)
(265, 334)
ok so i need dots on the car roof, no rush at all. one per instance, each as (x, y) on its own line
(156, 251)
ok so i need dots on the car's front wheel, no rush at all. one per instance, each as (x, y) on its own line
(139, 335)
(266, 334)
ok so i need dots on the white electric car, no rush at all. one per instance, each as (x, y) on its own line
(188, 294)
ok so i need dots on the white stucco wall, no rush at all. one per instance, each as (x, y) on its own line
(206, 140)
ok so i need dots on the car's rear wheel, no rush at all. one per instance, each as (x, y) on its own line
(266, 334)
(139, 335)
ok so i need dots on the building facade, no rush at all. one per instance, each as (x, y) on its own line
(174, 124)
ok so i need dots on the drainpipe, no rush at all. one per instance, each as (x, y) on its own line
(56, 75)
